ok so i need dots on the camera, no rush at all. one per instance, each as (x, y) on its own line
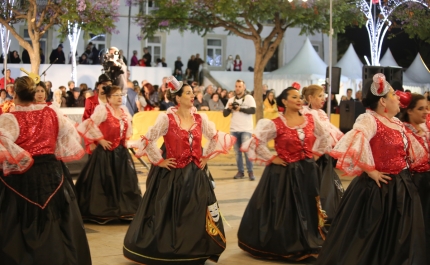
(234, 105)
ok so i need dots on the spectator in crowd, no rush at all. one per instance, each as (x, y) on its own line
(178, 75)
(178, 65)
(49, 89)
(129, 99)
(237, 64)
(10, 88)
(118, 77)
(57, 56)
(349, 94)
(147, 57)
(151, 96)
(197, 89)
(270, 103)
(89, 93)
(122, 57)
(84, 59)
(191, 66)
(189, 78)
(41, 93)
(229, 66)
(199, 67)
(140, 100)
(94, 55)
(224, 96)
(163, 62)
(42, 56)
(26, 57)
(343, 98)
(3, 95)
(76, 100)
(134, 60)
(14, 57)
(200, 103)
(218, 90)
(6, 79)
(209, 91)
(358, 96)
(159, 63)
(333, 105)
(83, 87)
(242, 106)
(57, 99)
(71, 86)
(230, 94)
(165, 103)
(215, 103)
(265, 88)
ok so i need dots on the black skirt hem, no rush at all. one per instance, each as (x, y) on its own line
(298, 256)
(142, 259)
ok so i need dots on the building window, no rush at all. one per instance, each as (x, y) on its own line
(99, 41)
(214, 52)
(154, 46)
(146, 7)
(42, 42)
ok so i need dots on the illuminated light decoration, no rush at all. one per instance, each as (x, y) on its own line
(4, 32)
(74, 33)
(377, 23)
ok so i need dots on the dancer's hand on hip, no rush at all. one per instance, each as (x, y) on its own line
(168, 163)
(378, 177)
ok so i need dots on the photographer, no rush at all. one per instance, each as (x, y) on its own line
(115, 68)
(242, 106)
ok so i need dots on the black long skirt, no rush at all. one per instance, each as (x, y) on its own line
(331, 189)
(173, 224)
(283, 219)
(422, 181)
(377, 226)
(40, 222)
(107, 187)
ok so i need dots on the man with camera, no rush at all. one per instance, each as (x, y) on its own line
(115, 68)
(242, 106)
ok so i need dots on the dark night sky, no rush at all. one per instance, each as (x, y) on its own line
(403, 48)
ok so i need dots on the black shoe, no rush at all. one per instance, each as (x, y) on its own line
(239, 175)
(251, 176)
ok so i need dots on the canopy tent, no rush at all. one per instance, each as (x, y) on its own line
(418, 71)
(351, 64)
(389, 61)
(305, 68)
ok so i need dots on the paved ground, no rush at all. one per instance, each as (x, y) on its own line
(233, 195)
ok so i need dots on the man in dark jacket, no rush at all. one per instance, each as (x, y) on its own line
(57, 56)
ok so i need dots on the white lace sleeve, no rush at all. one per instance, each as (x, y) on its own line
(89, 128)
(148, 145)
(129, 131)
(13, 159)
(353, 150)
(417, 153)
(322, 143)
(68, 146)
(219, 142)
(256, 146)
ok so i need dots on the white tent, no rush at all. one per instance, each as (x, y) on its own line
(418, 71)
(388, 59)
(305, 68)
(350, 64)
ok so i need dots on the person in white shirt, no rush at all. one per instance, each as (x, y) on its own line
(242, 106)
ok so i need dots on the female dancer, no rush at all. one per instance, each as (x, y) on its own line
(41, 222)
(331, 190)
(107, 187)
(414, 113)
(178, 221)
(379, 220)
(284, 219)
(41, 93)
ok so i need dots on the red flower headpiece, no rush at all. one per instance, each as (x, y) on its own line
(296, 85)
(405, 98)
